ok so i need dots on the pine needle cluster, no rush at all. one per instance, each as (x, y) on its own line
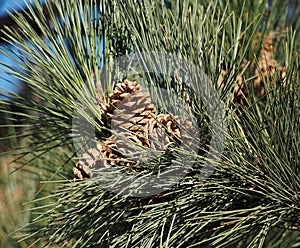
(251, 199)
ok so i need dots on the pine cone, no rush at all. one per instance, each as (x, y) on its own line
(268, 72)
(121, 91)
(268, 67)
(133, 120)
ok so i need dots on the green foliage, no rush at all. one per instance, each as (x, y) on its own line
(252, 198)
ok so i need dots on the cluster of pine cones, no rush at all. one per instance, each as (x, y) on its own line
(133, 121)
(133, 118)
(267, 74)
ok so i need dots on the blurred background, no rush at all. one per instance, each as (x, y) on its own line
(16, 187)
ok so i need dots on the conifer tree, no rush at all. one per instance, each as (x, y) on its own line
(89, 119)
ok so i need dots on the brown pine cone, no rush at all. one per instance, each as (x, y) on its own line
(268, 67)
(133, 123)
(121, 91)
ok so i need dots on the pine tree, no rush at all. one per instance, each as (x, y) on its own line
(250, 199)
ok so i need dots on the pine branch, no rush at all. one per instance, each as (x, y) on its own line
(253, 194)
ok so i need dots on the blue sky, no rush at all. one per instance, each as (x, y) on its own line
(7, 5)
(8, 82)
